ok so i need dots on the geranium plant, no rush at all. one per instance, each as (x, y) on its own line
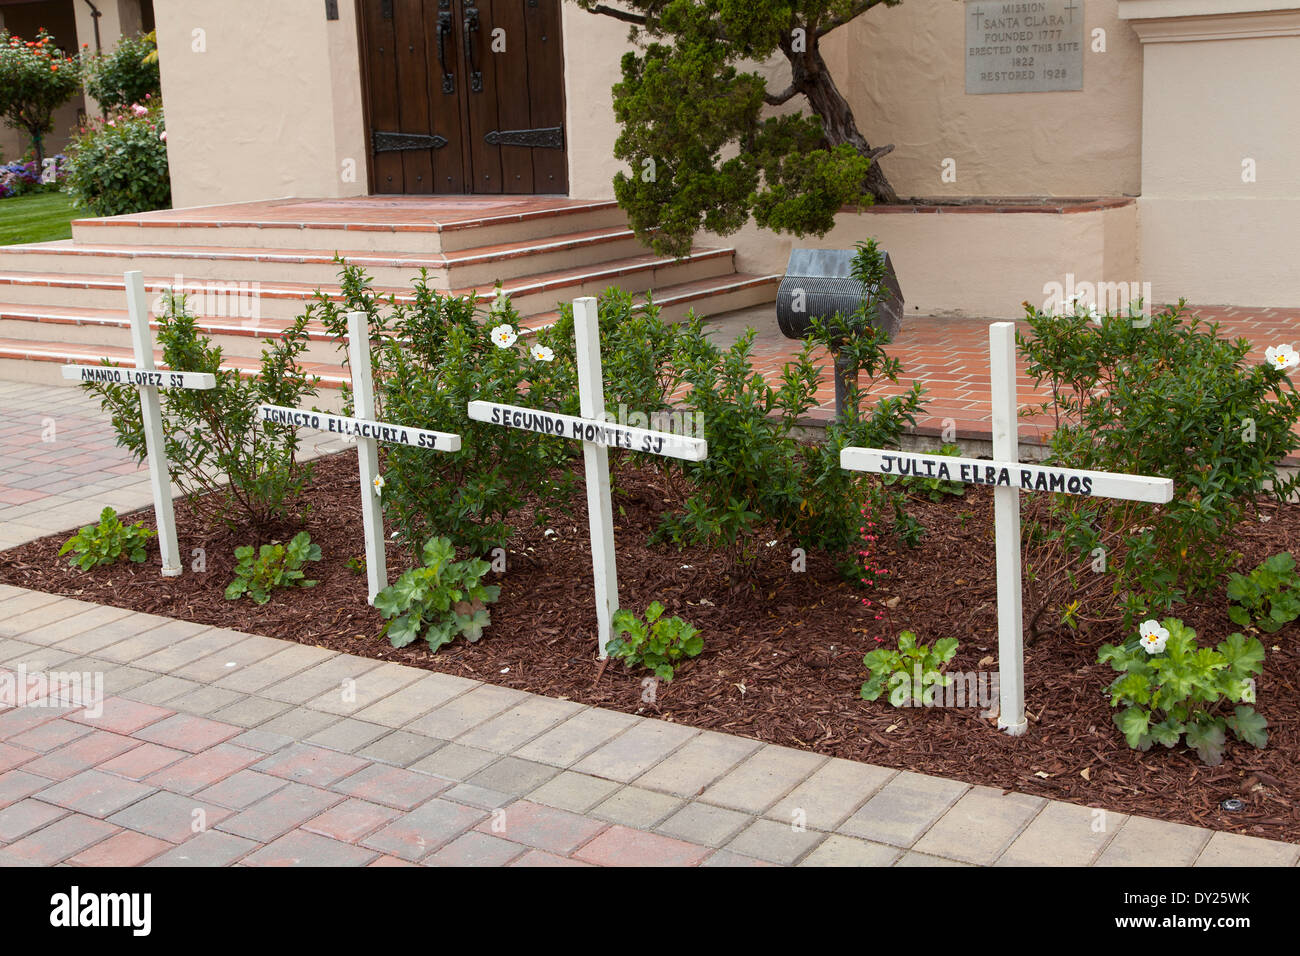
(1171, 689)
(657, 642)
(911, 673)
(440, 600)
(107, 542)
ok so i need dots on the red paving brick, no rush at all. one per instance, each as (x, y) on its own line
(185, 732)
(623, 846)
(127, 848)
(143, 760)
(312, 765)
(123, 716)
(203, 769)
(89, 751)
(352, 820)
(541, 827)
(392, 786)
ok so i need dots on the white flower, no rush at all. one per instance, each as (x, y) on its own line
(379, 484)
(1281, 356)
(541, 353)
(1153, 637)
(504, 336)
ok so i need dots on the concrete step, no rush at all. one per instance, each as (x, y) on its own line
(479, 267)
(39, 338)
(379, 224)
(284, 300)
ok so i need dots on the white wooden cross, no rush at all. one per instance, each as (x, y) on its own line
(1009, 477)
(598, 434)
(368, 433)
(146, 377)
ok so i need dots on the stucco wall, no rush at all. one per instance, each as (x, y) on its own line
(263, 99)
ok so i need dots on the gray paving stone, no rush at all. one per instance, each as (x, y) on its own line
(726, 858)
(518, 725)
(163, 689)
(904, 809)
(365, 690)
(205, 701)
(465, 712)
(400, 748)
(417, 834)
(247, 649)
(277, 814)
(212, 848)
(1145, 842)
(170, 816)
(635, 751)
(704, 824)
(280, 666)
(513, 776)
(454, 762)
(61, 630)
(133, 649)
(830, 796)
(122, 680)
(476, 849)
(636, 807)
(26, 816)
(35, 658)
(775, 842)
(475, 796)
(19, 623)
(113, 632)
(702, 760)
(263, 740)
(178, 654)
(299, 723)
(1236, 849)
(302, 848)
(763, 779)
(241, 789)
(576, 792)
(911, 858)
(980, 826)
(567, 743)
(94, 793)
(416, 700)
(1064, 834)
(347, 735)
(837, 850)
(249, 711)
(327, 676)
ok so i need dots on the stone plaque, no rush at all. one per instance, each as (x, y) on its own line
(1029, 46)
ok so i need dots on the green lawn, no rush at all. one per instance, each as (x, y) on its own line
(38, 217)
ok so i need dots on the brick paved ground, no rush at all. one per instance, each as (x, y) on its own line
(216, 748)
(213, 748)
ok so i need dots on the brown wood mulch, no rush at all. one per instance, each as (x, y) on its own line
(783, 652)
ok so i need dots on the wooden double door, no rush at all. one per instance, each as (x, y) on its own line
(464, 96)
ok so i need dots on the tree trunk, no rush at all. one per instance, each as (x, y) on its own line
(812, 78)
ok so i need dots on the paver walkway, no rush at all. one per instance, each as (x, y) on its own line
(189, 745)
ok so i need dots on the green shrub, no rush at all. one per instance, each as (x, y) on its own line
(35, 80)
(107, 542)
(442, 599)
(759, 473)
(936, 489)
(1172, 689)
(1169, 398)
(657, 642)
(127, 74)
(232, 466)
(272, 567)
(429, 359)
(911, 673)
(1269, 597)
(119, 165)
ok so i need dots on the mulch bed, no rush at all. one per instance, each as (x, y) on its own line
(783, 651)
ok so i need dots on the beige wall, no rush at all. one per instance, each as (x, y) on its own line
(262, 98)
(1222, 88)
(903, 70)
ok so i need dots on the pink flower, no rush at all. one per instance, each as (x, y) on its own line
(139, 110)
(163, 136)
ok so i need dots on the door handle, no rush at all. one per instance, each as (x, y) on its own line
(468, 26)
(444, 27)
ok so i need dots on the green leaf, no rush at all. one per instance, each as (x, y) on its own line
(403, 630)
(1249, 726)
(1207, 738)
(1134, 724)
